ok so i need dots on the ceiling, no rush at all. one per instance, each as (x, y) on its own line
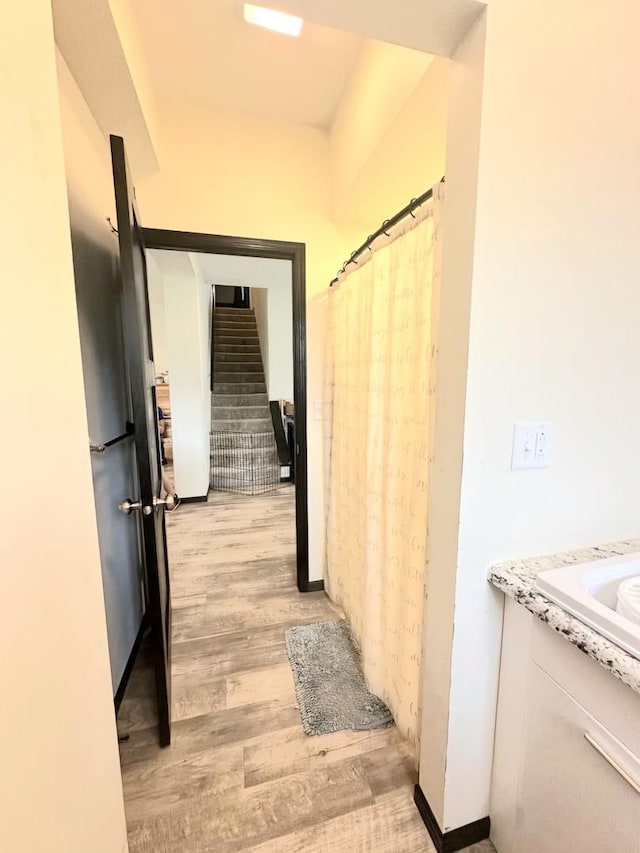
(241, 270)
(434, 26)
(201, 53)
(228, 269)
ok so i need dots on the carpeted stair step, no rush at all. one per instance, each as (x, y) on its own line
(243, 332)
(235, 322)
(243, 338)
(240, 339)
(226, 368)
(247, 377)
(234, 325)
(239, 348)
(228, 311)
(241, 400)
(234, 387)
(242, 425)
(223, 343)
(238, 357)
(237, 341)
(231, 413)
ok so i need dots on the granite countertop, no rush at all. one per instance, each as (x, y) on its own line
(517, 579)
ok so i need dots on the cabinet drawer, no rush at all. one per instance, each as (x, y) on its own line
(579, 785)
(612, 703)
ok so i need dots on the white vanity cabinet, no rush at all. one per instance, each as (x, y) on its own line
(566, 773)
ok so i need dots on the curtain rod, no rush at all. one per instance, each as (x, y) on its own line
(388, 223)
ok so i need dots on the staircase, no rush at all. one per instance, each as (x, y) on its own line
(244, 455)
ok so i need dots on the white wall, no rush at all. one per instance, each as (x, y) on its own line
(384, 77)
(553, 329)
(274, 276)
(60, 787)
(187, 321)
(260, 305)
(451, 324)
(205, 304)
(158, 315)
(281, 338)
(388, 140)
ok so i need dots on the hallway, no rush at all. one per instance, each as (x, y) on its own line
(241, 775)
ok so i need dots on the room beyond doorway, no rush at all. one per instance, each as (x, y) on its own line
(232, 296)
(203, 245)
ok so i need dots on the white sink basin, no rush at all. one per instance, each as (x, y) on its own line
(589, 592)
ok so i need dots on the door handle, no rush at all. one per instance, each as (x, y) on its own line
(128, 506)
(169, 502)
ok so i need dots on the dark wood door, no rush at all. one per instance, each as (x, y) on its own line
(147, 507)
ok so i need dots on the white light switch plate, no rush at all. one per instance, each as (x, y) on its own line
(322, 410)
(531, 445)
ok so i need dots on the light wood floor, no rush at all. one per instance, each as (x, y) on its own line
(240, 774)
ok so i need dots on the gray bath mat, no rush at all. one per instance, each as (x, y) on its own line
(330, 687)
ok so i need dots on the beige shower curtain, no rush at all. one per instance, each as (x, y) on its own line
(379, 369)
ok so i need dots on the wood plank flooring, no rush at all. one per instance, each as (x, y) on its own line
(240, 774)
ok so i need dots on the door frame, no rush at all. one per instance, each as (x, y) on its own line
(253, 247)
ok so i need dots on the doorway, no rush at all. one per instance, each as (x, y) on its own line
(147, 512)
(232, 296)
(294, 253)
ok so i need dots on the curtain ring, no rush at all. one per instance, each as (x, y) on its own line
(352, 259)
(386, 222)
(113, 230)
(412, 206)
